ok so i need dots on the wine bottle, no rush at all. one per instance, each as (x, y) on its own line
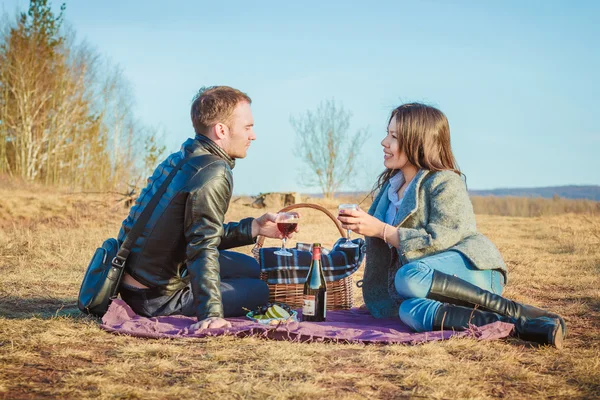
(314, 307)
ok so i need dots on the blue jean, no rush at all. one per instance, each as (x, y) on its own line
(413, 282)
(240, 287)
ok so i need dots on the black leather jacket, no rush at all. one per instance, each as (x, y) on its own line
(182, 239)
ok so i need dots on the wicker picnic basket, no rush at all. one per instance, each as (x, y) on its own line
(339, 293)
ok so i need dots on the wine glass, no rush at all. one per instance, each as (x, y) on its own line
(286, 223)
(348, 243)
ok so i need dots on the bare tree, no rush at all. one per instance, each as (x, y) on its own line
(29, 55)
(66, 115)
(154, 151)
(327, 148)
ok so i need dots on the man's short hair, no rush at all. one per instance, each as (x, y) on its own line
(215, 104)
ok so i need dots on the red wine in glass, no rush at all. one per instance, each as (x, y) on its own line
(287, 227)
(286, 224)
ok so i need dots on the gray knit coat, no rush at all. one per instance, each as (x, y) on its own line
(435, 215)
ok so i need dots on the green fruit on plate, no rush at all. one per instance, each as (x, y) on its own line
(276, 311)
(260, 316)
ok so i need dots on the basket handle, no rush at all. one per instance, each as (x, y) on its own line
(261, 239)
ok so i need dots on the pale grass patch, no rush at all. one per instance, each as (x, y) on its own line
(47, 349)
(142, 349)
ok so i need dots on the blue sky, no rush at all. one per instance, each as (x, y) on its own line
(517, 80)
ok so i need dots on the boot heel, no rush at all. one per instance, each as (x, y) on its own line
(541, 330)
(557, 335)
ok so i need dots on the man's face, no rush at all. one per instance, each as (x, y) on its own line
(240, 132)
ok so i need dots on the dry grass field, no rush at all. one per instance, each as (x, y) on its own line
(49, 350)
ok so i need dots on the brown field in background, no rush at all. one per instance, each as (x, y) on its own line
(49, 350)
(533, 206)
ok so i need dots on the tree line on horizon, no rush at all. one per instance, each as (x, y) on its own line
(66, 113)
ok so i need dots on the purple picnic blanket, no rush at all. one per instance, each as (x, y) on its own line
(352, 326)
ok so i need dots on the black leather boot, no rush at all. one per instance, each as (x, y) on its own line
(450, 289)
(543, 330)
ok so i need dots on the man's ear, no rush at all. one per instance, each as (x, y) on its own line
(220, 130)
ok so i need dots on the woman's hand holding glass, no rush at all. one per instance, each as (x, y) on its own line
(358, 221)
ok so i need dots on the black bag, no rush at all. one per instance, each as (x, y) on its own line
(102, 278)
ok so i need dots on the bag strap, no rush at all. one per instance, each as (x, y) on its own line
(138, 227)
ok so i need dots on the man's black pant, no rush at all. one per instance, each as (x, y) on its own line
(240, 287)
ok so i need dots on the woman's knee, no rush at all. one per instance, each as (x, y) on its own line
(413, 280)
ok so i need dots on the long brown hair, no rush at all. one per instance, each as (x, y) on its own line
(424, 135)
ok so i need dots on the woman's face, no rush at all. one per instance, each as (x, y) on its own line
(393, 157)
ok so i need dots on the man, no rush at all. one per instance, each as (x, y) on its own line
(178, 265)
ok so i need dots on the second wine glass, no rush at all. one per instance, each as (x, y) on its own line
(286, 223)
(348, 243)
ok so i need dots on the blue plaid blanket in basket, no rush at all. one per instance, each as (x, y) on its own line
(337, 263)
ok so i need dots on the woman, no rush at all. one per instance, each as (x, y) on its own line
(425, 259)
